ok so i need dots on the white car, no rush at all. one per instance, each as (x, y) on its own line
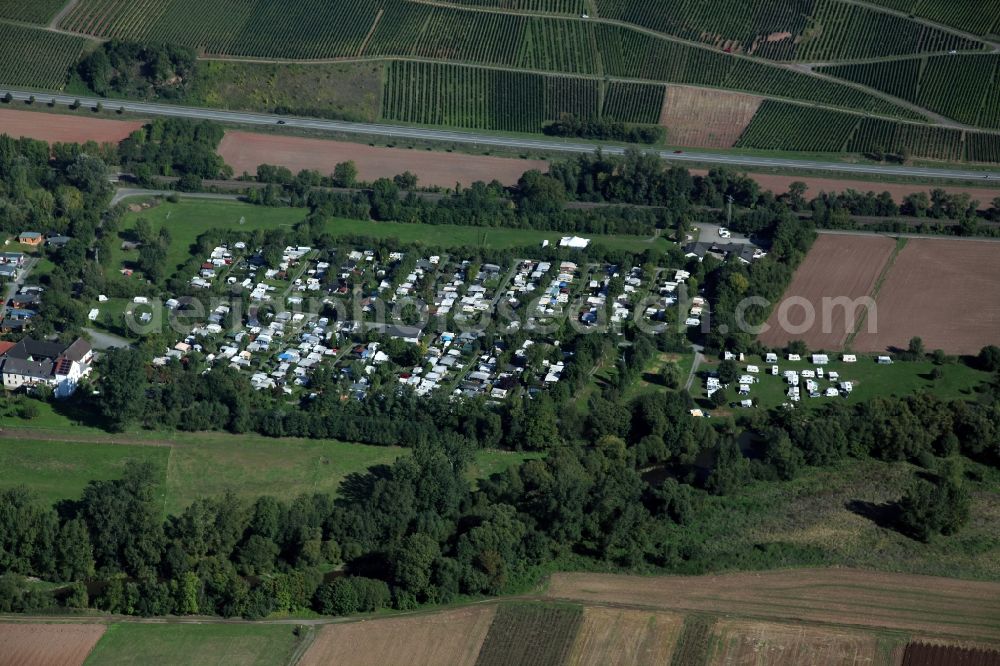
(725, 233)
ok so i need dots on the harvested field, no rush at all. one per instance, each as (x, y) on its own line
(836, 267)
(738, 642)
(945, 291)
(530, 634)
(453, 637)
(704, 118)
(246, 151)
(922, 654)
(616, 636)
(58, 128)
(941, 607)
(47, 644)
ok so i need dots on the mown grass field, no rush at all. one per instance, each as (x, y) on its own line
(190, 218)
(206, 464)
(184, 644)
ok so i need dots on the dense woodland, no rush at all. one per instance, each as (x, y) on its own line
(418, 531)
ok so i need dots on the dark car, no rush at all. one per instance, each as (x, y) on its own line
(281, 122)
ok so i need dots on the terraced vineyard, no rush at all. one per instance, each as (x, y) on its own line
(30, 11)
(788, 29)
(633, 103)
(981, 17)
(962, 87)
(35, 58)
(784, 126)
(504, 100)
(875, 135)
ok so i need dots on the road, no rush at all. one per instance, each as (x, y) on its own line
(487, 140)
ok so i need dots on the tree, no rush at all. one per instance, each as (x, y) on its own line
(671, 376)
(337, 598)
(76, 556)
(728, 372)
(989, 358)
(405, 181)
(121, 387)
(345, 174)
(719, 398)
(929, 508)
(414, 562)
(915, 349)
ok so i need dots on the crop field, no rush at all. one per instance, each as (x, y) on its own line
(945, 291)
(837, 267)
(530, 634)
(245, 151)
(47, 644)
(978, 18)
(452, 637)
(33, 57)
(537, 6)
(182, 644)
(437, 94)
(785, 126)
(933, 142)
(58, 128)
(922, 654)
(706, 118)
(749, 642)
(847, 597)
(621, 636)
(982, 147)
(779, 29)
(961, 87)
(35, 11)
(633, 103)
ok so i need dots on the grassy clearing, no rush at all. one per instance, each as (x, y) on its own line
(60, 470)
(819, 519)
(190, 218)
(958, 381)
(204, 464)
(166, 644)
(342, 91)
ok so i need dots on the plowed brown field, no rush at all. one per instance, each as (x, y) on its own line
(610, 636)
(452, 637)
(944, 291)
(836, 267)
(58, 128)
(245, 151)
(704, 118)
(941, 607)
(47, 644)
(741, 642)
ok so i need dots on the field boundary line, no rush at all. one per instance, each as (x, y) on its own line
(901, 242)
(304, 643)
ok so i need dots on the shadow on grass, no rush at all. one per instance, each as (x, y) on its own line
(884, 515)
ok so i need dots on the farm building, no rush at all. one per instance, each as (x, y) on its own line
(33, 362)
(30, 238)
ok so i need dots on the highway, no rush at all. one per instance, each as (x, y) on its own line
(488, 140)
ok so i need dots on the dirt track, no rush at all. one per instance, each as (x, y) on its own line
(245, 151)
(933, 606)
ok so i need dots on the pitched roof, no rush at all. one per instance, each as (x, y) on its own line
(36, 369)
(78, 350)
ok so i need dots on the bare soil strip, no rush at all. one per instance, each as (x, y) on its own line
(246, 151)
(837, 267)
(59, 128)
(703, 118)
(47, 644)
(453, 637)
(944, 291)
(939, 607)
